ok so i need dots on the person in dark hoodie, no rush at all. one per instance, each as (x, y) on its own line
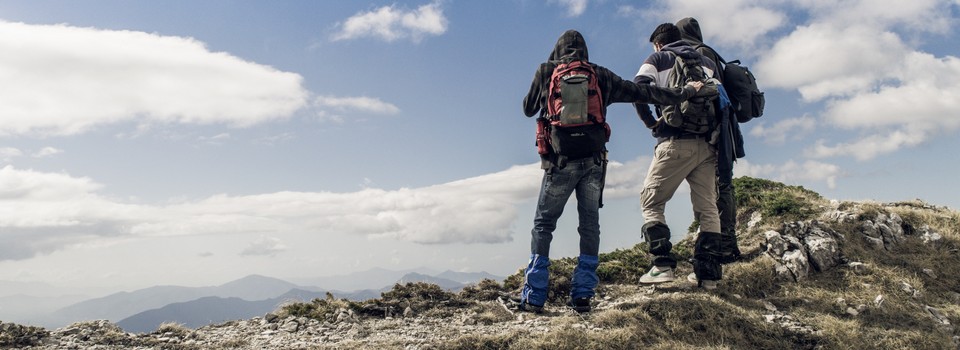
(729, 148)
(584, 175)
(679, 155)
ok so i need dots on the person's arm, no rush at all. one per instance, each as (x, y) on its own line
(661, 96)
(646, 116)
(643, 109)
(645, 93)
(628, 91)
(533, 102)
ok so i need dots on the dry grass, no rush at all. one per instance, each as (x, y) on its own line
(840, 308)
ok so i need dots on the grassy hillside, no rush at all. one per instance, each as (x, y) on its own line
(816, 274)
(901, 295)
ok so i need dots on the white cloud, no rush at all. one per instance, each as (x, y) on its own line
(217, 139)
(69, 210)
(921, 15)
(358, 104)
(626, 179)
(7, 153)
(575, 8)
(744, 167)
(870, 146)
(823, 60)
(47, 152)
(42, 212)
(264, 246)
(482, 209)
(335, 109)
(273, 140)
(791, 172)
(810, 170)
(65, 80)
(853, 56)
(729, 23)
(389, 23)
(778, 133)
(926, 98)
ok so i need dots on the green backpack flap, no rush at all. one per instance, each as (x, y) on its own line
(697, 114)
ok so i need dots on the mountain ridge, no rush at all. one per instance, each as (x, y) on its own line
(815, 274)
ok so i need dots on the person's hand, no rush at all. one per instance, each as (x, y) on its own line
(696, 85)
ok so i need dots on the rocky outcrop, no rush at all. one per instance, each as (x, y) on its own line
(14, 335)
(803, 247)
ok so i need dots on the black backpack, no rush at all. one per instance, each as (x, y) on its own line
(741, 87)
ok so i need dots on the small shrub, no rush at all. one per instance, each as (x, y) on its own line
(320, 309)
(774, 199)
(426, 298)
(485, 290)
(623, 266)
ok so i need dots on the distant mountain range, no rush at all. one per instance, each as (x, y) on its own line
(209, 310)
(124, 304)
(145, 309)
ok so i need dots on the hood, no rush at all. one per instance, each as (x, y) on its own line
(570, 46)
(681, 48)
(690, 30)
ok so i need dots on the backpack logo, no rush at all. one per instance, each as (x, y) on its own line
(696, 115)
(575, 125)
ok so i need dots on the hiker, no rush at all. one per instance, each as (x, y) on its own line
(729, 148)
(575, 162)
(682, 153)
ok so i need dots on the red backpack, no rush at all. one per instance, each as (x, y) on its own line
(575, 125)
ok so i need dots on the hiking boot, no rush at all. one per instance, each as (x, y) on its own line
(517, 301)
(705, 284)
(658, 274)
(580, 305)
(537, 309)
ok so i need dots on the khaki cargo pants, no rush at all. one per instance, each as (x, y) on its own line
(676, 160)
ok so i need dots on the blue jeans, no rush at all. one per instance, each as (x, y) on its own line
(583, 176)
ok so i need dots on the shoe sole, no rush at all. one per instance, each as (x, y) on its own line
(657, 280)
(530, 308)
(708, 285)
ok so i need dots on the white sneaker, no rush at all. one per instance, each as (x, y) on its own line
(705, 284)
(658, 274)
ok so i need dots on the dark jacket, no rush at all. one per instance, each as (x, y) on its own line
(655, 70)
(730, 143)
(571, 45)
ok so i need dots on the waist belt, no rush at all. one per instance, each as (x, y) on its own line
(682, 137)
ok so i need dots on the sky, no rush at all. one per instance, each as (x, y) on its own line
(196, 142)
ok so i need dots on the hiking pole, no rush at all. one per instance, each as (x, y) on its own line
(603, 173)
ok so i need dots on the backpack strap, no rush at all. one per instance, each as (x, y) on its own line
(723, 61)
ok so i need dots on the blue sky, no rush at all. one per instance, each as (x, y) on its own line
(196, 142)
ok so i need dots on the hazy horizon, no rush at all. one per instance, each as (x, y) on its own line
(190, 143)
